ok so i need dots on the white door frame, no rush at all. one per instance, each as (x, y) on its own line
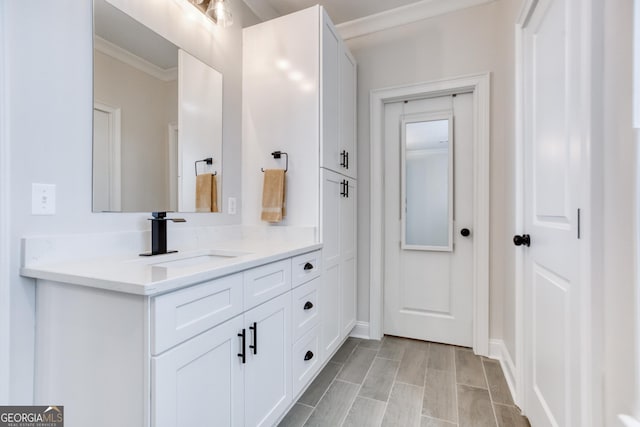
(479, 84)
(591, 199)
(115, 156)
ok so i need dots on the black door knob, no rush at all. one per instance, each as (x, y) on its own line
(525, 240)
(465, 232)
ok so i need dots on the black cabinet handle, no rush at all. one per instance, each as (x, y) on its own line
(347, 162)
(308, 305)
(308, 266)
(343, 193)
(308, 356)
(344, 159)
(346, 186)
(243, 353)
(254, 328)
(525, 240)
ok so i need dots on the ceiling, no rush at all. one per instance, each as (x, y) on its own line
(339, 10)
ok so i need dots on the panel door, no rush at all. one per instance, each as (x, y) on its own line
(348, 264)
(268, 376)
(348, 161)
(330, 291)
(428, 281)
(330, 48)
(200, 382)
(551, 268)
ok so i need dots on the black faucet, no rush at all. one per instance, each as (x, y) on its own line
(159, 233)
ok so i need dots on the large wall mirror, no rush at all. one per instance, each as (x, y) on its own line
(157, 121)
(427, 182)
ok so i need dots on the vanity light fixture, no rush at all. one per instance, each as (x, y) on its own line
(217, 10)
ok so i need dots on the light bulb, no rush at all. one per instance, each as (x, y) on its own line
(220, 13)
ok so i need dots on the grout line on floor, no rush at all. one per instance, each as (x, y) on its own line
(455, 385)
(303, 404)
(493, 408)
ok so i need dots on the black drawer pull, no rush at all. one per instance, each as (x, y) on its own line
(243, 354)
(308, 305)
(308, 356)
(308, 266)
(254, 328)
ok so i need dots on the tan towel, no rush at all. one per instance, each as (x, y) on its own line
(206, 193)
(273, 195)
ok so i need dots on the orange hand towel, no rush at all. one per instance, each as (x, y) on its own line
(206, 193)
(273, 195)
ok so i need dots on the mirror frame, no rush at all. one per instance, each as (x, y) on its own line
(417, 118)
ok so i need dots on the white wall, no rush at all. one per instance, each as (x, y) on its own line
(619, 163)
(473, 40)
(48, 94)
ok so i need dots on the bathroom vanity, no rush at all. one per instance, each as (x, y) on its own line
(226, 336)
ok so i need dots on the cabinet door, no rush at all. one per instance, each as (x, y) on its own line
(347, 119)
(330, 137)
(348, 264)
(330, 294)
(200, 382)
(268, 378)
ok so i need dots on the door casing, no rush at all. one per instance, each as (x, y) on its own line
(479, 85)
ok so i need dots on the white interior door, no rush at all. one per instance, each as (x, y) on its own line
(428, 284)
(551, 137)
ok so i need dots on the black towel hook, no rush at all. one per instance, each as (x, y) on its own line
(277, 155)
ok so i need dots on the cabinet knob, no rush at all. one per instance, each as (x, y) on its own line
(308, 356)
(465, 232)
(308, 305)
(308, 266)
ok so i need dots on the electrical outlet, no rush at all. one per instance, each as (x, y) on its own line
(232, 206)
(43, 199)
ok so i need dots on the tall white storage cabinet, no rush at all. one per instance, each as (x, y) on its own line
(299, 96)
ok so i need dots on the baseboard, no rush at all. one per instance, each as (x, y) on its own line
(498, 350)
(361, 330)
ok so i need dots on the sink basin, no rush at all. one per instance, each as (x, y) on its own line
(189, 259)
(194, 260)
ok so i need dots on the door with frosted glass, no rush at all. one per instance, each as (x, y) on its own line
(428, 286)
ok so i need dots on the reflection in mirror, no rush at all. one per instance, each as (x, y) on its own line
(427, 182)
(157, 110)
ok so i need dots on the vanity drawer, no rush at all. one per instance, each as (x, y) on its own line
(265, 282)
(307, 348)
(180, 315)
(305, 308)
(306, 267)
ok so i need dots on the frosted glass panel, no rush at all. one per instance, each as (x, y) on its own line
(427, 184)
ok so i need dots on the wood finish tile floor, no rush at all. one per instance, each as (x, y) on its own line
(402, 382)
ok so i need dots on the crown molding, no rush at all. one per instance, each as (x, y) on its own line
(403, 15)
(135, 61)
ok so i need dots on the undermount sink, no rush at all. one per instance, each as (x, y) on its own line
(189, 259)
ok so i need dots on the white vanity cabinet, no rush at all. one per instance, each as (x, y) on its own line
(238, 373)
(216, 353)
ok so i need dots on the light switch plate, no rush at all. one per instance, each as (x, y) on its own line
(231, 206)
(43, 199)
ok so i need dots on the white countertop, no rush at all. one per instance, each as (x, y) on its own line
(154, 275)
